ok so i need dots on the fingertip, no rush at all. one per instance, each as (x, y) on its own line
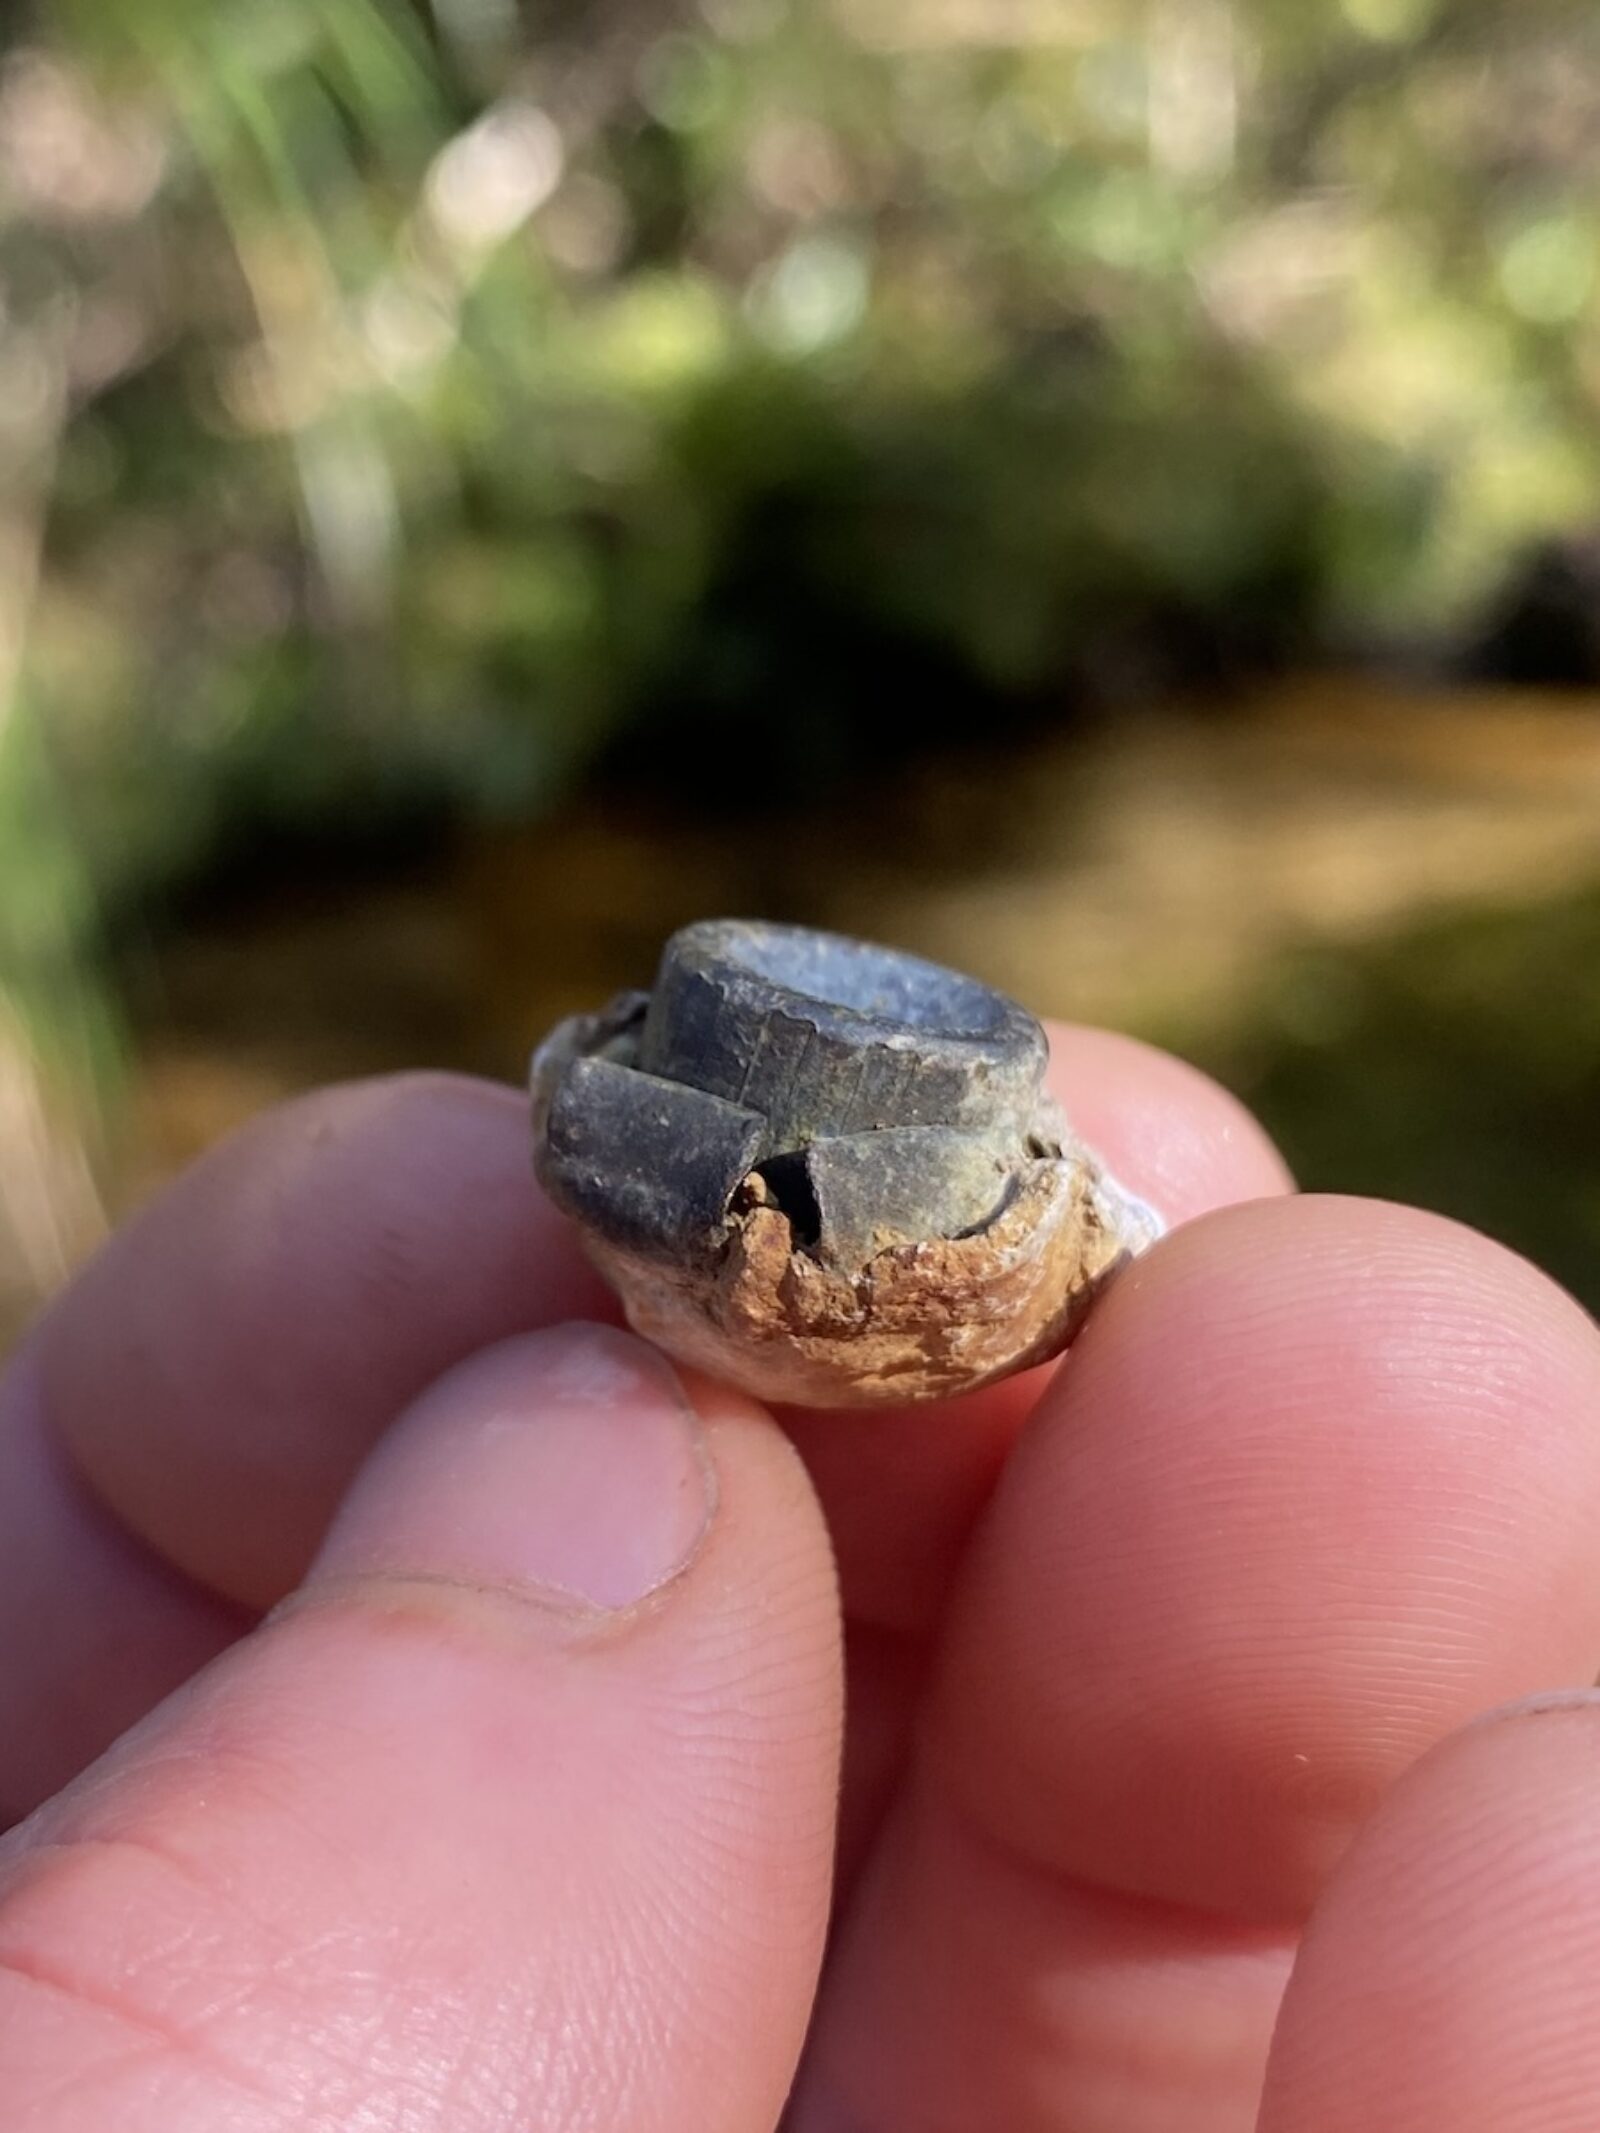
(568, 1464)
(1168, 1132)
(1447, 1976)
(1318, 1483)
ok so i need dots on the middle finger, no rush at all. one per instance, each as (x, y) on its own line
(1320, 1484)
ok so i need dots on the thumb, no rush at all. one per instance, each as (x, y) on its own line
(518, 1816)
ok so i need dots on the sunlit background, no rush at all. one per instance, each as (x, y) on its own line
(1106, 492)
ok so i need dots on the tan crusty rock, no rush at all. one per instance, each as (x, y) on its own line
(913, 1322)
(825, 1171)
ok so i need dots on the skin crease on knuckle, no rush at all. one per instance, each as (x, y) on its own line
(272, 1962)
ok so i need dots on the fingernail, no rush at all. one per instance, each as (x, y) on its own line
(569, 1460)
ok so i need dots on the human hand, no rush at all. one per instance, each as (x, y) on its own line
(519, 1814)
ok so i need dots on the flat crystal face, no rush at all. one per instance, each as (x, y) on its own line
(826, 1170)
(823, 1034)
(876, 1098)
(881, 984)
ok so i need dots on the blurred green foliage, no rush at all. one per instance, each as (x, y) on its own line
(412, 407)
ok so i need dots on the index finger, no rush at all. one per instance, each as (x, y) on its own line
(901, 1486)
(218, 1373)
(176, 1434)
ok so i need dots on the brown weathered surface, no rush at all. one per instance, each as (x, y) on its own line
(914, 1322)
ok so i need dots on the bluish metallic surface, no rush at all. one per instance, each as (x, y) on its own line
(879, 1098)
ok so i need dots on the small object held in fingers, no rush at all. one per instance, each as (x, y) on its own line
(826, 1171)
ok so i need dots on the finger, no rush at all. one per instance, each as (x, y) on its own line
(221, 1369)
(903, 1487)
(969, 1989)
(94, 1627)
(1171, 1134)
(520, 1814)
(1321, 1483)
(175, 1438)
(1451, 1975)
(1318, 1483)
